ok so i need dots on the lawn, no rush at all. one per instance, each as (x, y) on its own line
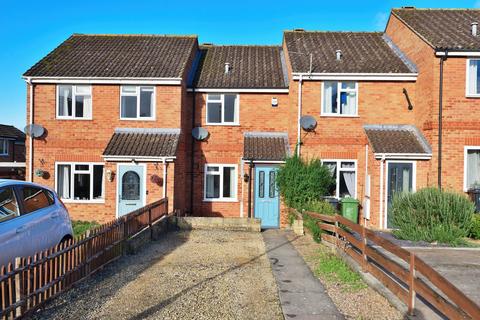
(80, 227)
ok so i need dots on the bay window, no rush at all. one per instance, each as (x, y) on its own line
(137, 102)
(473, 77)
(222, 109)
(74, 102)
(345, 174)
(80, 181)
(220, 182)
(472, 168)
(339, 98)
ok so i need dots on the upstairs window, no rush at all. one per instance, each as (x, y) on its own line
(74, 102)
(222, 109)
(3, 147)
(137, 103)
(339, 98)
(473, 77)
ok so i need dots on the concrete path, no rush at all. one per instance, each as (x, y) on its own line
(302, 296)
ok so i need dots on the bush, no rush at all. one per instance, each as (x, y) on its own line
(300, 181)
(432, 215)
(311, 224)
(475, 227)
(320, 206)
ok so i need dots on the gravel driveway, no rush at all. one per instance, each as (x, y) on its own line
(186, 275)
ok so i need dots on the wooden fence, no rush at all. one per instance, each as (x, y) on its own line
(31, 281)
(407, 279)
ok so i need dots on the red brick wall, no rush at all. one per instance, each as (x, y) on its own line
(85, 140)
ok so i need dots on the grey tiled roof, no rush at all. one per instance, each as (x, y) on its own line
(251, 67)
(265, 146)
(109, 56)
(397, 139)
(7, 131)
(443, 28)
(362, 52)
(143, 142)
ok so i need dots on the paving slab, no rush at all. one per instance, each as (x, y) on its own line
(302, 295)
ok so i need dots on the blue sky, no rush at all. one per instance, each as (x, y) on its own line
(31, 29)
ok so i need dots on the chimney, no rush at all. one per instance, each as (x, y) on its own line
(474, 28)
(338, 54)
(227, 67)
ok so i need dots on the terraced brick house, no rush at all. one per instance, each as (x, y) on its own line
(114, 112)
(12, 153)
(130, 119)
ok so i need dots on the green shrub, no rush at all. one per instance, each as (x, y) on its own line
(320, 206)
(475, 227)
(303, 181)
(311, 224)
(80, 227)
(432, 215)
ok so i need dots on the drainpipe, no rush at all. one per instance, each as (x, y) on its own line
(30, 141)
(440, 119)
(300, 80)
(192, 151)
(250, 172)
(381, 190)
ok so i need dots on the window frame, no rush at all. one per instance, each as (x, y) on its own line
(337, 178)
(72, 174)
(222, 102)
(74, 94)
(137, 94)
(465, 163)
(220, 173)
(467, 80)
(6, 146)
(339, 90)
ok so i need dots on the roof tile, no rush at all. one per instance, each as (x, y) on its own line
(265, 146)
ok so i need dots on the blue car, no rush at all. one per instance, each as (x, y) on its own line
(32, 219)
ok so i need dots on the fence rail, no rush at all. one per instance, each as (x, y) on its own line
(31, 281)
(406, 279)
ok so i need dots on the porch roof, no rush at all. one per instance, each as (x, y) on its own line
(143, 142)
(265, 146)
(397, 139)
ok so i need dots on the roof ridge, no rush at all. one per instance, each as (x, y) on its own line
(332, 31)
(133, 35)
(240, 45)
(437, 9)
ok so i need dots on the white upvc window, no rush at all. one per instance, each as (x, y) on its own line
(471, 168)
(220, 182)
(345, 174)
(137, 103)
(473, 78)
(4, 147)
(339, 98)
(222, 109)
(74, 102)
(80, 182)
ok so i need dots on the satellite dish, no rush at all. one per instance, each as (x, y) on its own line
(308, 123)
(34, 130)
(199, 133)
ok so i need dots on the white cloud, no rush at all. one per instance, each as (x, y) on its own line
(381, 19)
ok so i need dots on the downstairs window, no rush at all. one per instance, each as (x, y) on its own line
(80, 181)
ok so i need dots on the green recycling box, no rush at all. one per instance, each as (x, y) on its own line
(349, 209)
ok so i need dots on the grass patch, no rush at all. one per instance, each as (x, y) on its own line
(80, 227)
(333, 269)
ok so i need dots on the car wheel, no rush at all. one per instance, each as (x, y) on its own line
(66, 238)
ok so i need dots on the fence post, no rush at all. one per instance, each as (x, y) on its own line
(411, 285)
(336, 231)
(19, 290)
(150, 223)
(364, 249)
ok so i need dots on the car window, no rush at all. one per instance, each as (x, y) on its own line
(8, 204)
(36, 198)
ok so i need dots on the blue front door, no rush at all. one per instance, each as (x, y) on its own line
(131, 188)
(267, 204)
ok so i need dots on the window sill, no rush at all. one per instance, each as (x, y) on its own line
(472, 96)
(223, 124)
(339, 116)
(137, 119)
(220, 200)
(73, 119)
(84, 201)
